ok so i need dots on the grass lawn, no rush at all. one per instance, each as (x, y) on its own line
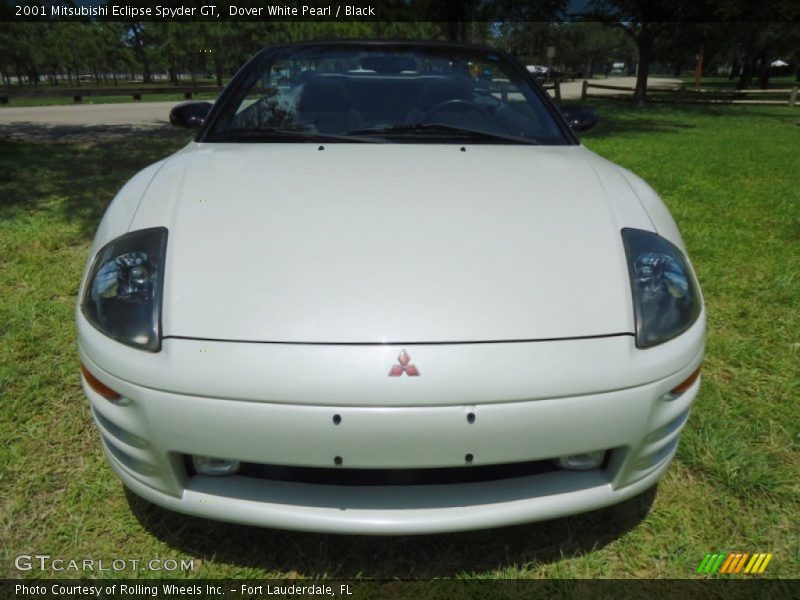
(730, 176)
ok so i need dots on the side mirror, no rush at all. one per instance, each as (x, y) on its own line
(580, 118)
(190, 114)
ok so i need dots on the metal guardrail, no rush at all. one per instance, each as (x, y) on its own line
(724, 96)
(78, 94)
(503, 87)
(736, 96)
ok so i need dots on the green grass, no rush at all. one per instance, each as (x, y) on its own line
(729, 176)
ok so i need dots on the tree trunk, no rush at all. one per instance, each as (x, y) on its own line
(644, 41)
(455, 14)
(747, 73)
(218, 68)
(763, 76)
(146, 76)
(452, 31)
(141, 53)
(734, 70)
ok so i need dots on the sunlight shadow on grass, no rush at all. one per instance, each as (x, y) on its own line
(444, 555)
(76, 180)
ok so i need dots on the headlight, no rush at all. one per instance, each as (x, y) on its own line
(123, 291)
(666, 296)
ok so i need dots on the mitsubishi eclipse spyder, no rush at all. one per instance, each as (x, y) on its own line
(386, 290)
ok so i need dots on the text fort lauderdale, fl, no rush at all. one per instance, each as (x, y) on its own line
(168, 589)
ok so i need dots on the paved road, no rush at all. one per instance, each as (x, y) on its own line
(134, 114)
(130, 116)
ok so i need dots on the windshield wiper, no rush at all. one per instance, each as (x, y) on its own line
(266, 134)
(413, 128)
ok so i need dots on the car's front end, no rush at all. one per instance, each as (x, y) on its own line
(404, 338)
(481, 438)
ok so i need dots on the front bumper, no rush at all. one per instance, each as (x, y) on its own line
(147, 440)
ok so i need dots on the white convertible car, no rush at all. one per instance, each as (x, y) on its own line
(386, 290)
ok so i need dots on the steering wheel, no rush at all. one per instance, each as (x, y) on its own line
(456, 105)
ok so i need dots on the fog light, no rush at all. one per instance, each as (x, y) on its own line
(582, 462)
(206, 465)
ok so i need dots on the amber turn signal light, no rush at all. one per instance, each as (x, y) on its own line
(687, 383)
(98, 386)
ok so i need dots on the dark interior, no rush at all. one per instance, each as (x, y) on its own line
(340, 102)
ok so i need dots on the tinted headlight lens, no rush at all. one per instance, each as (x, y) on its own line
(123, 292)
(666, 296)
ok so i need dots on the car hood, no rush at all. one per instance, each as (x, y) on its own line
(390, 243)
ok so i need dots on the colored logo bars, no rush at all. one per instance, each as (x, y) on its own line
(737, 562)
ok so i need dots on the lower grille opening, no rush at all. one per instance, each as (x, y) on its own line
(393, 477)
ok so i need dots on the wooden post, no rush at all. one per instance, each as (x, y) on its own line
(557, 89)
(583, 89)
(793, 96)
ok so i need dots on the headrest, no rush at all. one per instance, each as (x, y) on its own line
(327, 94)
(389, 64)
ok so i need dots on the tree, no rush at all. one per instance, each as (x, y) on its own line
(139, 39)
(582, 47)
(647, 23)
(630, 16)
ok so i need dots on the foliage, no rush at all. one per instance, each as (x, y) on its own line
(623, 31)
(582, 48)
(36, 51)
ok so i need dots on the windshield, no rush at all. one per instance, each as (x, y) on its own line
(354, 92)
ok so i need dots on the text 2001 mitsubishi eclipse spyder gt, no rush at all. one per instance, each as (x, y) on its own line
(386, 290)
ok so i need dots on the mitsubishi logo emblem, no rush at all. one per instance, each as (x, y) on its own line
(403, 367)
